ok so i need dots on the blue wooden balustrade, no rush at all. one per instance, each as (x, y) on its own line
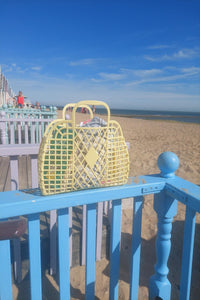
(167, 188)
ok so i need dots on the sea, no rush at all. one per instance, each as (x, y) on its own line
(187, 117)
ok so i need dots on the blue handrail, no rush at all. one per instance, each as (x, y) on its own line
(168, 189)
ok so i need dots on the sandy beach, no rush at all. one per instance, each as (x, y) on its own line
(147, 140)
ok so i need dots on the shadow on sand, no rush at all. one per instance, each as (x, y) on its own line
(148, 259)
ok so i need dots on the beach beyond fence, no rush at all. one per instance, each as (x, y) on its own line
(148, 139)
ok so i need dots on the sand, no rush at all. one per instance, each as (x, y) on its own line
(147, 140)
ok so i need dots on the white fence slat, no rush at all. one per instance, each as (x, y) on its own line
(34, 171)
(14, 173)
(19, 132)
(26, 132)
(53, 242)
(33, 133)
(40, 132)
(83, 246)
(12, 133)
(70, 235)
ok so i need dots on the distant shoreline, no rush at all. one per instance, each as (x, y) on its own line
(191, 119)
(184, 117)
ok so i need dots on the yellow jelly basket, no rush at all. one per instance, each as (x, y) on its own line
(74, 157)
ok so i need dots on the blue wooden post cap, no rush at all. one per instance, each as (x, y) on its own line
(168, 163)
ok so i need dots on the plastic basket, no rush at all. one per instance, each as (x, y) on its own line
(75, 158)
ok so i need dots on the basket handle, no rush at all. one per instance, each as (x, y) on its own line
(87, 103)
(73, 105)
(49, 127)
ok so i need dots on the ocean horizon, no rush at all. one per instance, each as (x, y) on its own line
(179, 116)
(189, 117)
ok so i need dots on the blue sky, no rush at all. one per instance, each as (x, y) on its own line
(131, 54)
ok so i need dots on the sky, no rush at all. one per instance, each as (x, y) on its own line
(130, 54)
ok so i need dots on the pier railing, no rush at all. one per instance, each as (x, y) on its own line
(24, 126)
(167, 189)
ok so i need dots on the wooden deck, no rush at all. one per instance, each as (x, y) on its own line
(24, 173)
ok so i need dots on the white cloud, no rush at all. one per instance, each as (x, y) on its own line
(192, 70)
(181, 54)
(58, 91)
(168, 73)
(163, 78)
(185, 53)
(36, 68)
(83, 62)
(111, 76)
(13, 68)
(155, 47)
(142, 72)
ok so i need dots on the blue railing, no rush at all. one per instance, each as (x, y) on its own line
(168, 189)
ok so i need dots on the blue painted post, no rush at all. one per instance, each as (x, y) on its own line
(115, 248)
(5, 271)
(136, 247)
(166, 208)
(90, 251)
(188, 244)
(63, 252)
(35, 256)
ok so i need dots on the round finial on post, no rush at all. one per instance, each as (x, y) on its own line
(168, 163)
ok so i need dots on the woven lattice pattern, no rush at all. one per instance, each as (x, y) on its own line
(74, 158)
